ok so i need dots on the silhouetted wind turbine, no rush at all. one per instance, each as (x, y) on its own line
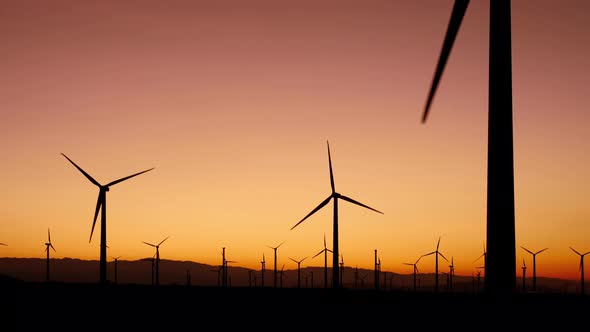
(523, 276)
(101, 205)
(335, 195)
(47, 246)
(415, 265)
(275, 266)
(501, 271)
(298, 270)
(341, 270)
(534, 265)
(436, 253)
(157, 246)
(485, 263)
(451, 273)
(263, 262)
(325, 251)
(377, 266)
(581, 268)
(116, 259)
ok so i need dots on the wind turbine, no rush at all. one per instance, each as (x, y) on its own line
(341, 269)
(335, 195)
(116, 259)
(298, 270)
(325, 251)
(451, 273)
(415, 265)
(523, 276)
(436, 253)
(485, 261)
(47, 246)
(501, 271)
(377, 266)
(263, 262)
(581, 268)
(534, 265)
(275, 267)
(101, 205)
(282, 275)
(157, 246)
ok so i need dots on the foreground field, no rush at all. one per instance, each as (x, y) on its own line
(245, 307)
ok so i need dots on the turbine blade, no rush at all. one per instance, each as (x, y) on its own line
(163, 241)
(127, 177)
(83, 172)
(540, 251)
(408, 264)
(575, 251)
(358, 203)
(280, 245)
(328, 250)
(3, 244)
(99, 202)
(149, 244)
(48, 236)
(530, 252)
(453, 28)
(331, 172)
(324, 240)
(443, 256)
(292, 259)
(438, 243)
(322, 204)
(321, 251)
(52, 247)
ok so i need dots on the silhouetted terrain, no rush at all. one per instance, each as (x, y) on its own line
(68, 270)
(75, 295)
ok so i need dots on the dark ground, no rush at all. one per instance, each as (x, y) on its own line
(89, 306)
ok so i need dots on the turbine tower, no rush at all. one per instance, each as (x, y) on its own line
(500, 271)
(101, 205)
(336, 196)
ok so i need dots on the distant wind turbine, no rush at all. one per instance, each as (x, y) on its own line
(325, 251)
(341, 269)
(581, 268)
(534, 265)
(157, 246)
(47, 246)
(377, 268)
(415, 265)
(298, 270)
(436, 253)
(152, 260)
(101, 205)
(500, 272)
(485, 262)
(116, 259)
(451, 273)
(263, 262)
(523, 276)
(335, 195)
(275, 266)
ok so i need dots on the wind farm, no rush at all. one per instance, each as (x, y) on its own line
(436, 125)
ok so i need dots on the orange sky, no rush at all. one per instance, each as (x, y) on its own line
(233, 101)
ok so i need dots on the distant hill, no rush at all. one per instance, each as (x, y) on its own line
(172, 272)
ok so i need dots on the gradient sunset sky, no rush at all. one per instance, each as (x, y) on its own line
(233, 101)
